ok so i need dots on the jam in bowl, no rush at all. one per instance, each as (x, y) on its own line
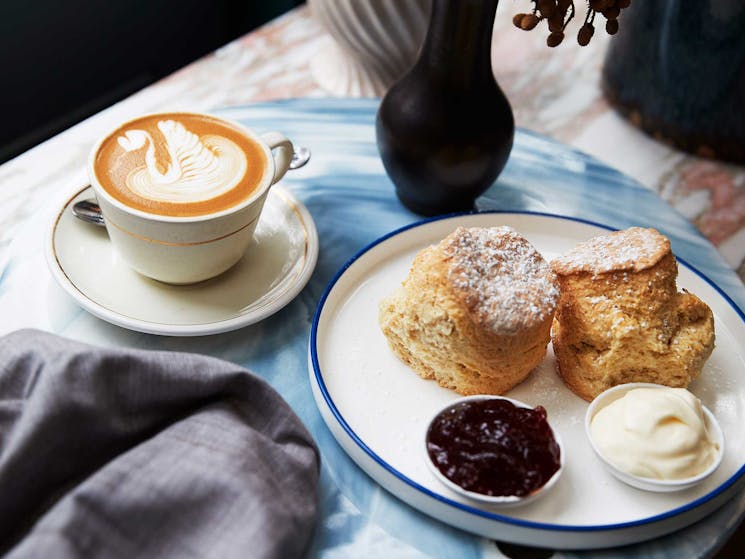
(494, 450)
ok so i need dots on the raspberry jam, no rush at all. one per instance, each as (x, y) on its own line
(493, 447)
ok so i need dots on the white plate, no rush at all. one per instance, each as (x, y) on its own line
(275, 268)
(377, 408)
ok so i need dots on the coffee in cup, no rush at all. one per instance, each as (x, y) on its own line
(181, 193)
(180, 164)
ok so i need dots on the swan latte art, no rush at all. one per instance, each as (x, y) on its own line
(180, 164)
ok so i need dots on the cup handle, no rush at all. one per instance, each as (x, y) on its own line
(283, 154)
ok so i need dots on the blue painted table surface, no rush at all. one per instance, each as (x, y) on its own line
(352, 201)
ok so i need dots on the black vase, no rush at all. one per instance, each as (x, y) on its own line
(676, 69)
(445, 129)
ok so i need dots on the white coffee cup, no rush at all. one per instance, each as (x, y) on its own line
(180, 249)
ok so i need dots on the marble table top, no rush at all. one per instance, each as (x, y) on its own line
(553, 91)
(58, 266)
(273, 62)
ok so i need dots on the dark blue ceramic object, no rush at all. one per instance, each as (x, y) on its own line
(677, 70)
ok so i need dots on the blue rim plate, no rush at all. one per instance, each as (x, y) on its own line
(376, 407)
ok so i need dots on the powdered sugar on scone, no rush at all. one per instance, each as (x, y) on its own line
(632, 249)
(504, 282)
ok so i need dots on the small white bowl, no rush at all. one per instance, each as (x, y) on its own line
(496, 501)
(650, 484)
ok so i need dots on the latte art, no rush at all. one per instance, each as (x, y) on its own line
(197, 168)
(180, 164)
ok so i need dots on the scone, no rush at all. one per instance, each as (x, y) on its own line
(621, 318)
(475, 311)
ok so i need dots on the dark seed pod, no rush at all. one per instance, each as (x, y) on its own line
(517, 19)
(555, 39)
(585, 34)
(611, 26)
(529, 21)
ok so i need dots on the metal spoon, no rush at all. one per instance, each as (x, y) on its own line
(90, 212)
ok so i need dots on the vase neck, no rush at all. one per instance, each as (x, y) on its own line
(458, 42)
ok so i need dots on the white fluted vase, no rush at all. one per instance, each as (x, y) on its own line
(370, 43)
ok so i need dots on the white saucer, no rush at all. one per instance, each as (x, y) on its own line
(276, 267)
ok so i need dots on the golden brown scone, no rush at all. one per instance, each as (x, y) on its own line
(475, 311)
(621, 319)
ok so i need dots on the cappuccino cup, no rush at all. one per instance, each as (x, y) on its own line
(181, 193)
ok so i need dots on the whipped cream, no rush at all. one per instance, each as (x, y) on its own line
(657, 433)
(197, 168)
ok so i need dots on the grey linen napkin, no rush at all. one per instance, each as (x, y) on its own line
(125, 453)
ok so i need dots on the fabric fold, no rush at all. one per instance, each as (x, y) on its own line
(124, 453)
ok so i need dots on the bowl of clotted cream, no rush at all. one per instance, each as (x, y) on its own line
(654, 437)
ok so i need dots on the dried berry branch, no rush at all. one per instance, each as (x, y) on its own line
(558, 14)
